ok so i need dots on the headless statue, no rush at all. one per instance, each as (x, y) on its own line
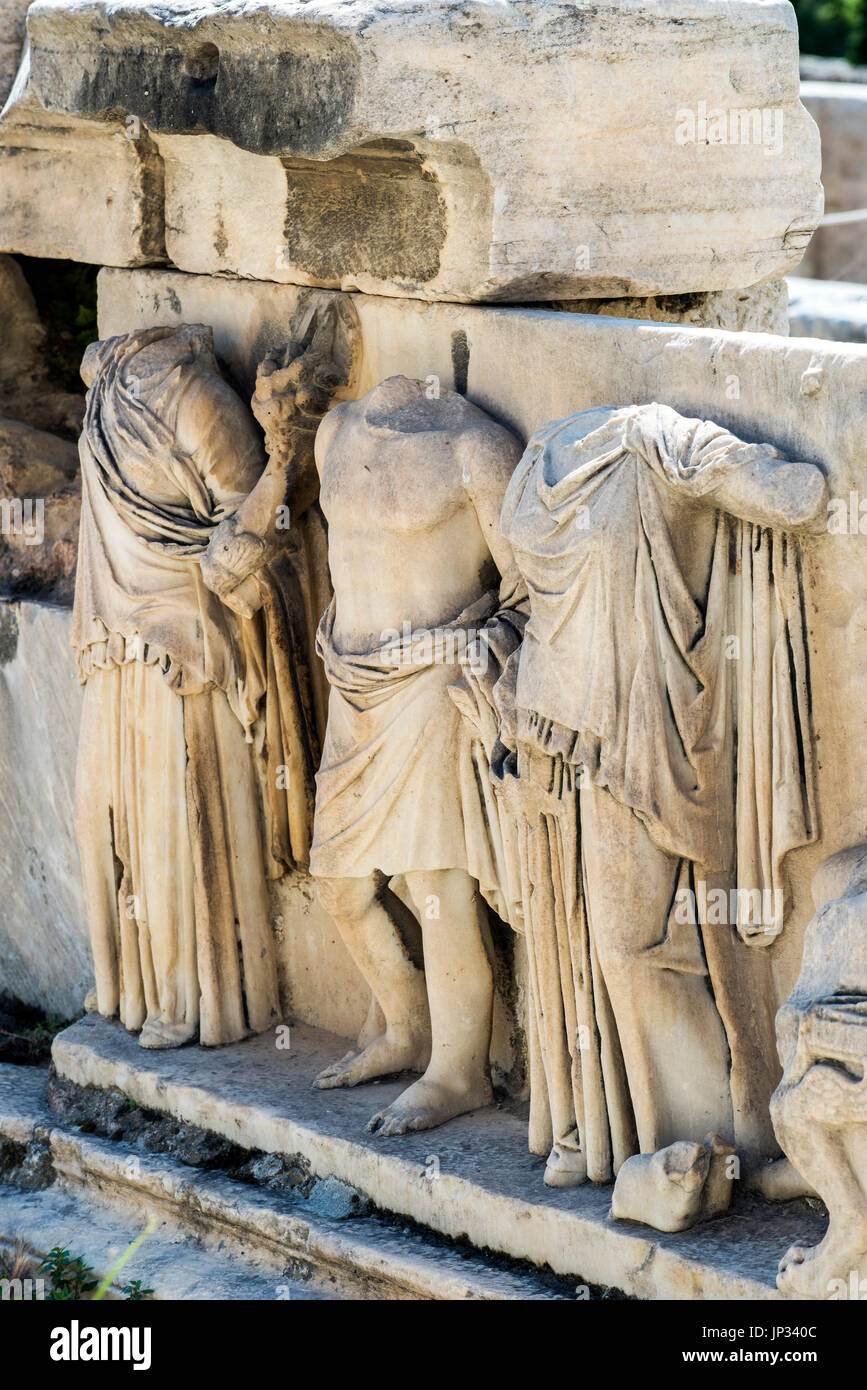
(424, 611)
(659, 747)
(171, 753)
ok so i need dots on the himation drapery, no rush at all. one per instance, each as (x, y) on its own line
(184, 728)
(628, 702)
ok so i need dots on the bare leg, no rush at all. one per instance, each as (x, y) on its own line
(460, 988)
(359, 906)
(374, 1025)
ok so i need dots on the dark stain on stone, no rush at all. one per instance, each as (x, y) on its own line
(153, 200)
(375, 211)
(221, 241)
(268, 103)
(8, 633)
(460, 360)
(202, 64)
(558, 286)
(29, 1165)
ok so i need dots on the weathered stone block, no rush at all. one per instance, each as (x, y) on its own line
(70, 189)
(472, 1179)
(40, 504)
(28, 391)
(12, 14)
(44, 954)
(482, 151)
(761, 309)
(524, 367)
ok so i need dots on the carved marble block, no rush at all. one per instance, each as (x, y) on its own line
(820, 1107)
(479, 152)
(585, 690)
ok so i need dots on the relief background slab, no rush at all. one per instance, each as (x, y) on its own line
(525, 367)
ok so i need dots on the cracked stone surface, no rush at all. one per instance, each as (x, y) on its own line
(468, 151)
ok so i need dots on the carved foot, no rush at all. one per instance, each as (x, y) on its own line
(429, 1103)
(566, 1167)
(383, 1057)
(815, 1271)
(156, 1034)
(675, 1187)
(779, 1181)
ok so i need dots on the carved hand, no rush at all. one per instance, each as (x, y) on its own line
(293, 392)
(231, 559)
(295, 386)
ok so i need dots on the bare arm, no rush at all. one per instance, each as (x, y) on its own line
(702, 463)
(488, 458)
(289, 404)
(488, 463)
(774, 492)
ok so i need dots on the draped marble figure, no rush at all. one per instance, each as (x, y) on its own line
(656, 737)
(178, 816)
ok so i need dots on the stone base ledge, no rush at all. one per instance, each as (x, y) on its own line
(472, 1178)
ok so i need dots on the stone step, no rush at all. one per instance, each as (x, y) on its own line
(172, 1261)
(174, 1265)
(216, 1237)
(471, 1179)
(834, 309)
